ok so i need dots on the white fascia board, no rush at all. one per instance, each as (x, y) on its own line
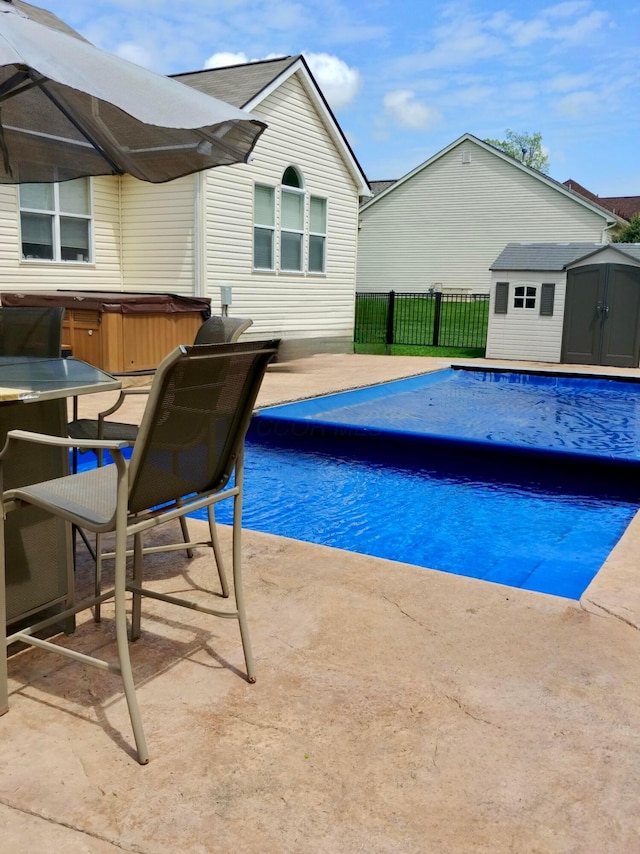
(298, 67)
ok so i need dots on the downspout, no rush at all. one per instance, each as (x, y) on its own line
(606, 238)
(120, 231)
(200, 235)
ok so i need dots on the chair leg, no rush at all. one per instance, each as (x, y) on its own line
(217, 552)
(85, 540)
(4, 679)
(123, 642)
(136, 605)
(238, 588)
(185, 534)
(98, 578)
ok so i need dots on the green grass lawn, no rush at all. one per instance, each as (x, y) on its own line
(417, 350)
(463, 324)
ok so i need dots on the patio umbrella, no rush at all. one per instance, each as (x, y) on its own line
(69, 109)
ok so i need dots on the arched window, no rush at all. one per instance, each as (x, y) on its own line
(292, 198)
(292, 178)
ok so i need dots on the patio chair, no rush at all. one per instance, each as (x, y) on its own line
(31, 331)
(190, 443)
(217, 329)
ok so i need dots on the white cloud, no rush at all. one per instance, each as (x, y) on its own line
(579, 105)
(339, 82)
(403, 107)
(136, 53)
(568, 82)
(224, 58)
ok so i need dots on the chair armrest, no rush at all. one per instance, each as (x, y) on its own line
(64, 441)
(124, 393)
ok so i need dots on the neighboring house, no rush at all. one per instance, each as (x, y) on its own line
(443, 224)
(279, 234)
(576, 303)
(624, 206)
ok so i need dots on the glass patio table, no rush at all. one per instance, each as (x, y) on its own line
(38, 548)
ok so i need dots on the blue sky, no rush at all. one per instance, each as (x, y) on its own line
(405, 78)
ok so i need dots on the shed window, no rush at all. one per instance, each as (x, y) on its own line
(547, 296)
(55, 221)
(524, 296)
(502, 298)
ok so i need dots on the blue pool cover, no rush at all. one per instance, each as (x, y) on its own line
(595, 419)
(521, 479)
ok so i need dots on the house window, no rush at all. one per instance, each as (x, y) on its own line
(317, 234)
(264, 214)
(289, 227)
(55, 221)
(524, 296)
(292, 198)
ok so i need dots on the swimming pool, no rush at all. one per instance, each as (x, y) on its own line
(521, 479)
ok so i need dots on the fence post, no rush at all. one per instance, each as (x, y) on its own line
(390, 316)
(436, 319)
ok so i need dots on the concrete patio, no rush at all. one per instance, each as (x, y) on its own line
(397, 709)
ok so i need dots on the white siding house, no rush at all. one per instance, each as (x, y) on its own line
(195, 235)
(443, 224)
(315, 309)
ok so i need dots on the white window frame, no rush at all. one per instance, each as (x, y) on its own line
(270, 227)
(525, 297)
(299, 193)
(320, 234)
(56, 214)
(303, 232)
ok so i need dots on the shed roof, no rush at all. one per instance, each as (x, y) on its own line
(555, 256)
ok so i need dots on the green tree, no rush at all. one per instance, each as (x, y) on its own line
(630, 233)
(525, 147)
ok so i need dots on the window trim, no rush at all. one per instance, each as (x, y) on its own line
(526, 297)
(299, 192)
(322, 234)
(56, 214)
(263, 227)
(279, 192)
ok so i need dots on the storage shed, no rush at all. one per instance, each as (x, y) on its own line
(575, 303)
(121, 332)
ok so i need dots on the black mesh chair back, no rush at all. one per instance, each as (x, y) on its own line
(195, 421)
(31, 331)
(220, 329)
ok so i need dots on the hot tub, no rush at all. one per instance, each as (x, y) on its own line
(121, 332)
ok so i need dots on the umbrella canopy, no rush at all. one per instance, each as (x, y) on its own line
(68, 109)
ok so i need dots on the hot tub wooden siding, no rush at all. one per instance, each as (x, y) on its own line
(122, 333)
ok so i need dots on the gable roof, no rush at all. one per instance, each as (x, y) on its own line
(610, 217)
(247, 85)
(553, 257)
(379, 186)
(624, 206)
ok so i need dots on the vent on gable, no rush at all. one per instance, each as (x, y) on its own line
(466, 156)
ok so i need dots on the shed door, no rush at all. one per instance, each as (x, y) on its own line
(602, 316)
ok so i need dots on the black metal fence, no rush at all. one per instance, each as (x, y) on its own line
(427, 319)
